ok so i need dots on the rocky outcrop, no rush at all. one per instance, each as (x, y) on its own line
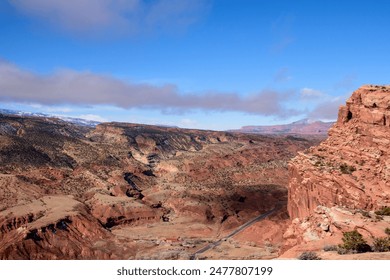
(53, 227)
(351, 168)
(112, 211)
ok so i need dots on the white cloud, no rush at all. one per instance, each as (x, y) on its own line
(323, 106)
(50, 109)
(309, 93)
(281, 29)
(327, 109)
(58, 109)
(36, 106)
(123, 16)
(92, 117)
(188, 123)
(68, 87)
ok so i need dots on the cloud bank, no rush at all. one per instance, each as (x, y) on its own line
(327, 109)
(309, 93)
(124, 16)
(87, 88)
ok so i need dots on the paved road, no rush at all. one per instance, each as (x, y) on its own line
(236, 231)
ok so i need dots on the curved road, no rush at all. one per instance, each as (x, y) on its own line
(236, 231)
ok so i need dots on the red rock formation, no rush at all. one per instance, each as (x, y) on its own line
(123, 191)
(53, 227)
(351, 168)
(112, 211)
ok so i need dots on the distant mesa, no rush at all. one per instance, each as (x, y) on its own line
(302, 127)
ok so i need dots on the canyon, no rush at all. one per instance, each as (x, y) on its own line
(132, 191)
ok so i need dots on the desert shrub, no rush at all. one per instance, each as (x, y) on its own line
(385, 211)
(342, 251)
(328, 248)
(387, 231)
(309, 256)
(378, 217)
(364, 213)
(381, 244)
(347, 169)
(353, 241)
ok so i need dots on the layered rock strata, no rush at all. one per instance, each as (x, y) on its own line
(351, 168)
(131, 191)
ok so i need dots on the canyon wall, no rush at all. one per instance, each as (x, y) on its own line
(351, 168)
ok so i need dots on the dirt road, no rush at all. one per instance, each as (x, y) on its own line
(236, 231)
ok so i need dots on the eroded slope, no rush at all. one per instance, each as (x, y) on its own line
(134, 191)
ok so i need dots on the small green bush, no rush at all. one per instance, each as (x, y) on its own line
(341, 250)
(353, 241)
(378, 217)
(347, 169)
(382, 244)
(328, 248)
(364, 213)
(309, 256)
(385, 211)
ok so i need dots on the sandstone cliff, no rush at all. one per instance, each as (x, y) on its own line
(336, 186)
(352, 167)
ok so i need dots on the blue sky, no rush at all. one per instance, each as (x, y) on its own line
(210, 64)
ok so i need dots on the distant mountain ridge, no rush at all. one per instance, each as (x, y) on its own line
(300, 127)
(303, 127)
(77, 121)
